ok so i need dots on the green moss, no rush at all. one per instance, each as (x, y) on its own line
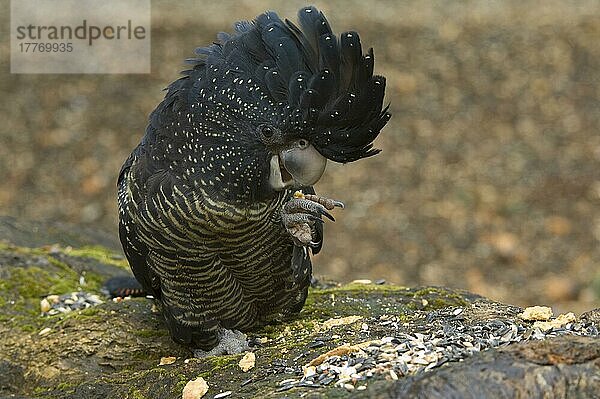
(374, 299)
(25, 284)
(100, 254)
(429, 290)
(269, 331)
(93, 281)
(178, 387)
(22, 322)
(66, 387)
(22, 250)
(342, 301)
(223, 362)
(438, 298)
(30, 328)
(356, 287)
(89, 312)
(35, 281)
(135, 393)
(39, 390)
(88, 315)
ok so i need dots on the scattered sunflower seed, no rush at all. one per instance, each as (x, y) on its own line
(447, 338)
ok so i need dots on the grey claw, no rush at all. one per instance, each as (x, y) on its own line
(327, 214)
(339, 204)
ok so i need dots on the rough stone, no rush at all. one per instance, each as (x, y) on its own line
(114, 348)
(559, 368)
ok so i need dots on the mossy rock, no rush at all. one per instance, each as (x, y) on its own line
(113, 350)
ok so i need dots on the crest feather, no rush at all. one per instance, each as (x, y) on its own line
(324, 84)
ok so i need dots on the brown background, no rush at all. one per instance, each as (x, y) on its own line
(489, 177)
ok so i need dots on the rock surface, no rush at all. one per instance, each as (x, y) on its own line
(488, 179)
(378, 340)
(560, 368)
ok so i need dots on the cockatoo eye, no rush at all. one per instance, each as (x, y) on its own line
(266, 131)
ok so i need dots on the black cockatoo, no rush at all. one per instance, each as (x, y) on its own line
(218, 217)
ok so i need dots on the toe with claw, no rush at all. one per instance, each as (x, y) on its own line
(301, 213)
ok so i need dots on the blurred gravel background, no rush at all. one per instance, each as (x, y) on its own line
(489, 178)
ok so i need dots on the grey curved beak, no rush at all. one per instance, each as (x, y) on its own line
(305, 165)
(296, 166)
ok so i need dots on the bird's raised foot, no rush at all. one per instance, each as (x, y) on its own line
(301, 213)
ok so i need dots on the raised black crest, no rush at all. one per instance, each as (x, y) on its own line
(322, 85)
